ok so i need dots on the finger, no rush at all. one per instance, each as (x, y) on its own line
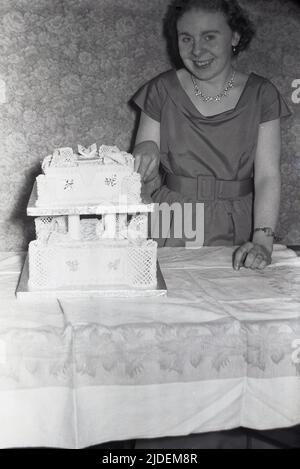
(143, 162)
(261, 255)
(144, 168)
(137, 162)
(257, 261)
(250, 259)
(240, 255)
(269, 258)
(262, 265)
(151, 171)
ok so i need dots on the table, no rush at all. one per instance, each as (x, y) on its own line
(219, 352)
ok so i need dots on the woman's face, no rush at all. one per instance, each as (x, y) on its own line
(205, 42)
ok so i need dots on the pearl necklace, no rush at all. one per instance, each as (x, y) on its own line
(219, 96)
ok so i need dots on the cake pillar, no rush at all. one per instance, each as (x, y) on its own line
(74, 226)
(110, 225)
(122, 221)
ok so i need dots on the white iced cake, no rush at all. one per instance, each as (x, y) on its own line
(90, 176)
(110, 250)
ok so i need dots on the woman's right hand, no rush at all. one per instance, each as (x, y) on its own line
(146, 160)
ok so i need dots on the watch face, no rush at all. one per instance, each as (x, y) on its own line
(267, 230)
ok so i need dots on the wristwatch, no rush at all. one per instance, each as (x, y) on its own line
(267, 230)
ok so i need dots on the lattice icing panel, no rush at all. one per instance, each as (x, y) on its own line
(131, 188)
(98, 263)
(142, 264)
(44, 226)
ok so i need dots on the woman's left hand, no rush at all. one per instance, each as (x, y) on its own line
(252, 256)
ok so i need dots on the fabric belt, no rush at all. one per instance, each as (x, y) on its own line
(208, 188)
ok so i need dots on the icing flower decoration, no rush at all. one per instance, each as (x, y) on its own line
(63, 157)
(90, 152)
(112, 155)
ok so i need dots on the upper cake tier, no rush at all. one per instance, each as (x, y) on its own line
(104, 176)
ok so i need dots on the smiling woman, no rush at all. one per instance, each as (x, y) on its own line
(205, 51)
(236, 17)
(210, 133)
(206, 45)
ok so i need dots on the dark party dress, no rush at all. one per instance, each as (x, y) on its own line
(210, 159)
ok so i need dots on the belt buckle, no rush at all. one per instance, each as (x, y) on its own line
(206, 188)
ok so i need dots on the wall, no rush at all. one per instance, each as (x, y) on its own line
(70, 68)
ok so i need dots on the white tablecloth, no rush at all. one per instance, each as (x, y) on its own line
(215, 354)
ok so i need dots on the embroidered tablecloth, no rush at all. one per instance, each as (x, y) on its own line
(222, 350)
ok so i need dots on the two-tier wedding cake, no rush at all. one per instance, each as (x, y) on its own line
(94, 229)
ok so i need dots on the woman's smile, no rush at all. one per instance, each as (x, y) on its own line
(202, 63)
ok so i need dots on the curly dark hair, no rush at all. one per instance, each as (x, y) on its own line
(236, 16)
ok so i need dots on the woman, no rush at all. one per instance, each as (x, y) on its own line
(213, 131)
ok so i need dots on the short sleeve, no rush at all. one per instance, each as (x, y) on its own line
(273, 105)
(150, 98)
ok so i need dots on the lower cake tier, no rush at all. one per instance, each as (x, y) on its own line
(99, 263)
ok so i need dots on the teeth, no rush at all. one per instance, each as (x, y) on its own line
(206, 62)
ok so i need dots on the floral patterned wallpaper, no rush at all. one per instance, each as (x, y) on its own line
(69, 67)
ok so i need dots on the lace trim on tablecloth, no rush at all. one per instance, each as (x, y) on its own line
(132, 354)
